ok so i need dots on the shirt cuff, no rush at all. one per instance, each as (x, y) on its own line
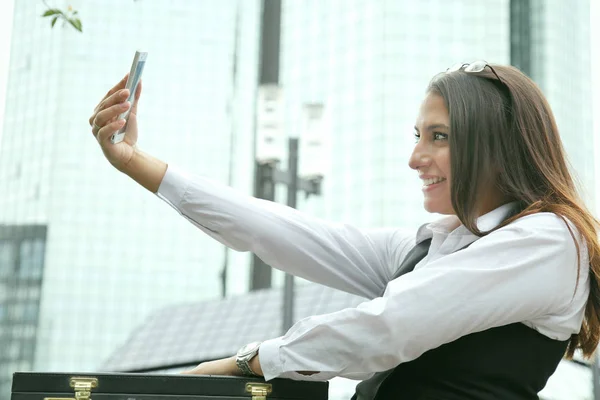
(173, 186)
(273, 366)
(270, 361)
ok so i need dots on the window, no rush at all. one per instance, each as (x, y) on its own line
(28, 350)
(7, 258)
(32, 259)
(14, 349)
(30, 311)
(4, 292)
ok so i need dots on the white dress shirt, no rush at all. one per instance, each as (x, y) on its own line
(524, 272)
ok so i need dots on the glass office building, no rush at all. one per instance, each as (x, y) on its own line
(369, 64)
(113, 253)
(21, 275)
(561, 65)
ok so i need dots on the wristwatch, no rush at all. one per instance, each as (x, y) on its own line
(244, 355)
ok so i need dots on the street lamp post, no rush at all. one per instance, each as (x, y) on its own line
(292, 192)
(305, 178)
(294, 183)
(266, 120)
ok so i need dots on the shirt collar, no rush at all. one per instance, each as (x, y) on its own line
(450, 223)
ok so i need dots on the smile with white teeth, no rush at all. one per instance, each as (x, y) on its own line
(431, 181)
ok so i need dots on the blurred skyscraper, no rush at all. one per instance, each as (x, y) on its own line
(110, 253)
(369, 63)
(114, 253)
(550, 41)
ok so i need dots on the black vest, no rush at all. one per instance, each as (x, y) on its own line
(511, 362)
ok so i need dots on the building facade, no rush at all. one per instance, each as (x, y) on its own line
(21, 276)
(550, 41)
(113, 253)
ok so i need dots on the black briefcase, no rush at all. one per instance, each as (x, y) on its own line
(108, 386)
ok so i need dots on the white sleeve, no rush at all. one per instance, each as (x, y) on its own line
(526, 271)
(335, 255)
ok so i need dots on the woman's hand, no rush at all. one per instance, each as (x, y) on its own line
(225, 366)
(104, 122)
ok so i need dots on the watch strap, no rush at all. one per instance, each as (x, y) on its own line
(244, 366)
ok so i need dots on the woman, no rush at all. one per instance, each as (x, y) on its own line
(482, 304)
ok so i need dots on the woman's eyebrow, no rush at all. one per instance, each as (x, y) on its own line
(434, 126)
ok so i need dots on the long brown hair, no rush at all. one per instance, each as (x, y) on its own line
(506, 129)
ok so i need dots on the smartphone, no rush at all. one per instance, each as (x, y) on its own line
(135, 74)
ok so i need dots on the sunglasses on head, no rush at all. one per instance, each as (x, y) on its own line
(474, 67)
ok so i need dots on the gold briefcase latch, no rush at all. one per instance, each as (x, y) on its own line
(259, 391)
(82, 386)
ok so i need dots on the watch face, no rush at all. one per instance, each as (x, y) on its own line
(247, 349)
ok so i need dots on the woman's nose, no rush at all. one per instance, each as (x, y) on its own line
(419, 158)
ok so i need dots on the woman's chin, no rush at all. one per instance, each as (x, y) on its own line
(435, 207)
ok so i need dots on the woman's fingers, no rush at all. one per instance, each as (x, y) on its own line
(108, 115)
(120, 85)
(104, 120)
(115, 98)
(107, 130)
(102, 104)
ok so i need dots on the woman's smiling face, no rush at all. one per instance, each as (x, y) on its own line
(431, 155)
